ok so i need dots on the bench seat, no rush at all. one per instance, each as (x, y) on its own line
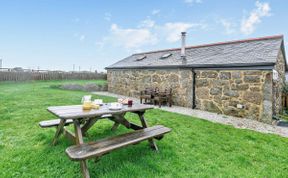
(98, 148)
(53, 123)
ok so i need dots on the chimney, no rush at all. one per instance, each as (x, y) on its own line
(183, 53)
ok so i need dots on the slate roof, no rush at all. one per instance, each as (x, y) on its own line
(250, 52)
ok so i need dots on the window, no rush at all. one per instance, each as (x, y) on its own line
(166, 55)
(140, 58)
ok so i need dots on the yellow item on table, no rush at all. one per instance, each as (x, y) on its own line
(87, 105)
(95, 106)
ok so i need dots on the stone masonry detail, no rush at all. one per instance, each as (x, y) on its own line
(131, 82)
(222, 91)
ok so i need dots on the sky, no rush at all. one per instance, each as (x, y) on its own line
(91, 34)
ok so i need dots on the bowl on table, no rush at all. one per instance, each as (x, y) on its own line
(115, 106)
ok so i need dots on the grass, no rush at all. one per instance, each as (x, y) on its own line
(195, 148)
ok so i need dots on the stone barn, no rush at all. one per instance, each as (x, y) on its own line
(241, 78)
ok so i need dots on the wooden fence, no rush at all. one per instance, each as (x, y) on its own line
(49, 75)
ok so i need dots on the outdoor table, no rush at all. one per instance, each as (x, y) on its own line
(90, 117)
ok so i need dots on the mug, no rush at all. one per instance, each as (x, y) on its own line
(130, 102)
(86, 98)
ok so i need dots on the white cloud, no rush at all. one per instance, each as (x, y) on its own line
(131, 38)
(248, 24)
(107, 16)
(146, 33)
(82, 37)
(173, 31)
(193, 1)
(147, 23)
(155, 12)
(228, 26)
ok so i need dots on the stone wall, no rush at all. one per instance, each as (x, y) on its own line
(279, 84)
(221, 92)
(130, 82)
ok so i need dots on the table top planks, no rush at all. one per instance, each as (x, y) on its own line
(76, 111)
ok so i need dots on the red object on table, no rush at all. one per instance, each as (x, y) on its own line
(130, 103)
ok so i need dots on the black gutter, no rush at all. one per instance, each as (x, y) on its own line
(204, 66)
(193, 90)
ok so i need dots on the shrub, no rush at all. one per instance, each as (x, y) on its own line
(55, 86)
(85, 87)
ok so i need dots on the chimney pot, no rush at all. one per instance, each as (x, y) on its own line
(183, 53)
(183, 38)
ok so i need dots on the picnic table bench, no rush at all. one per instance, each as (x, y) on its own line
(98, 148)
(54, 123)
(83, 120)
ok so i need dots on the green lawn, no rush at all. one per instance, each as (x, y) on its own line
(194, 148)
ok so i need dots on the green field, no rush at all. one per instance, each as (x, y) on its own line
(194, 148)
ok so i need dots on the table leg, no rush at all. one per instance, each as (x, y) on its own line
(69, 135)
(58, 131)
(79, 140)
(89, 123)
(120, 119)
(115, 126)
(144, 124)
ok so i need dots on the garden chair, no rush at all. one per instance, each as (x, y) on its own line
(163, 97)
(147, 95)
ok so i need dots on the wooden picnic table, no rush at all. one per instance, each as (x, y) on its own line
(83, 120)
